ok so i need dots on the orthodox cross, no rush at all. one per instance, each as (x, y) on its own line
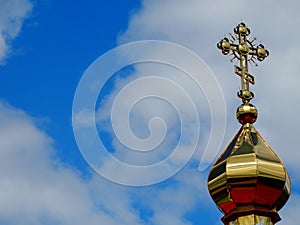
(244, 50)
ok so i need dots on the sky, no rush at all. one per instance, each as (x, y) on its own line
(141, 81)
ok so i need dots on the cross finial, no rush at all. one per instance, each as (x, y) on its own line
(244, 50)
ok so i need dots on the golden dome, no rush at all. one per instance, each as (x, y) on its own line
(249, 180)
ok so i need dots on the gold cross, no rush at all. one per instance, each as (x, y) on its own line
(244, 51)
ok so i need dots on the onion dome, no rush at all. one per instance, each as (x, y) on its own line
(249, 181)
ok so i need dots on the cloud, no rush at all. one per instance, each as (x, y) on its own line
(36, 188)
(157, 90)
(199, 25)
(12, 15)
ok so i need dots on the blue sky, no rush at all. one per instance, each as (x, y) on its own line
(57, 43)
(46, 47)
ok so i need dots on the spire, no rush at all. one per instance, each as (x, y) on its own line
(248, 182)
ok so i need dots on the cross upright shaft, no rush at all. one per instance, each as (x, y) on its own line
(244, 51)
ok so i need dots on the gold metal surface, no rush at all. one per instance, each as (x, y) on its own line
(246, 109)
(241, 166)
(252, 220)
(249, 177)
(244, 50)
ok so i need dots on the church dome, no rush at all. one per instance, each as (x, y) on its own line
(249, 179)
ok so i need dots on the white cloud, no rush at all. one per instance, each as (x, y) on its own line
(36, 188)
(175, 97)
(12, 15)
(199, 25)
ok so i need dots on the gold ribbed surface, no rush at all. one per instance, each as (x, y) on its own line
(249, 178)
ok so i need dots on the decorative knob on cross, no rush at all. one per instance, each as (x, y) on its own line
(243, 50)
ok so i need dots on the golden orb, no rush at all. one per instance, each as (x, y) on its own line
(243, 49)
(243, 30)
(246, 113)
(225, 45)
(261, 52)
(246, 95)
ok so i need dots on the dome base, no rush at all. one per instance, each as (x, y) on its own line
(255, 216)
(251, 220)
